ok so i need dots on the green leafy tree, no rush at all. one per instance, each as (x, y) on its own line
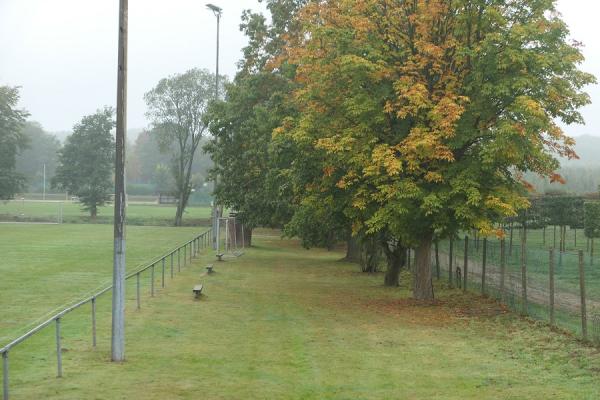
(42, 151)
(12, 141)
(431, 111)
(177, 107)
(251, 166)
(86, 162)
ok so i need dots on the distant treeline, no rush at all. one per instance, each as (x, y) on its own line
(578, 180)
(147, 167)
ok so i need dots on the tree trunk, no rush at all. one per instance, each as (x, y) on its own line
(396, 259)
(93, 213)
(422, 284)
(353, 250)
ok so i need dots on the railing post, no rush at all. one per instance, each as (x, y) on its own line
(179, 258)
(185, 254)
(5, 375)
(171, 265)
(582, 291)
(162, 282)
(152, 281)
(137, 290)
(94, 322)
(58, 350)
(551, 300)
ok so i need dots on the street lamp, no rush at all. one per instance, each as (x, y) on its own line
(218, 11)
(215, 213)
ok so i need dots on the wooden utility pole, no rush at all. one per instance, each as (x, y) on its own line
(118, 300)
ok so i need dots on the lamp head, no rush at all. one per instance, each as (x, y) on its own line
(217, 10)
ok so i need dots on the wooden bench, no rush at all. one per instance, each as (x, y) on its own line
(209, 268)
(220, 256)
(197, 291)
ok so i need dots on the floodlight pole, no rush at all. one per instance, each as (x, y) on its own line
(215, 208)
(118, 298)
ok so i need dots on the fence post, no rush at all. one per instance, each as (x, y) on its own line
(466, 264)
(171, 265)
(152, 281)
(5, 375)
(502, 269)
(437, 260)
(185, 254)
(483, 265)
(450, 261)
(582, 290)
(551, 300)
(162, 280)
(524, 273)
(58, 349)
(179, 258)
(94, 322)
(137, 290)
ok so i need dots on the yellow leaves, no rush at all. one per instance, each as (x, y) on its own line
(434, 177)
(383, 157)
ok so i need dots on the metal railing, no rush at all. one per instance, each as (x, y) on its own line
(184, 254)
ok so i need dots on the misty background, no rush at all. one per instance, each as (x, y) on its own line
(63, 55)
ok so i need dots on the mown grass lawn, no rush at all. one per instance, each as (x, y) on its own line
(140, 214)
(43, 267)
(285, 323)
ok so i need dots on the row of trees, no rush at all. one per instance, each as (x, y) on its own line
(84, 165)
(393, 124)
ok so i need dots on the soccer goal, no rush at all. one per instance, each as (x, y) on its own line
(233, 236)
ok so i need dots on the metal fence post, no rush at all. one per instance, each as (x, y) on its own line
(93, 321)
(5, 375)
(58, 349)
(152, 281)
(162, 281)
(171, 265)
(450, 260)
(524, 273)
(582, 290)
(437, 260)
(551, 300)
(466, 264)
(179, 258)
(137, 290)
(502, 269)
(483, 265)
(185, 254)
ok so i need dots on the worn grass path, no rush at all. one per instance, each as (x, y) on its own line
(286, 323)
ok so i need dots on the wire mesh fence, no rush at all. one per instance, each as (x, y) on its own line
(562, 288)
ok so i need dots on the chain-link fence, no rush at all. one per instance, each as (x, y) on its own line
(562, 288)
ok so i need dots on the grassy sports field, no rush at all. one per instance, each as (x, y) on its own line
(138, 214)
(285, 323)
(43, 267)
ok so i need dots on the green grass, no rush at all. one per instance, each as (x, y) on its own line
(285, 323)
(137, 214)
(46, 266)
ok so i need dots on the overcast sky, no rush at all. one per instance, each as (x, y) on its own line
(63, 52)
